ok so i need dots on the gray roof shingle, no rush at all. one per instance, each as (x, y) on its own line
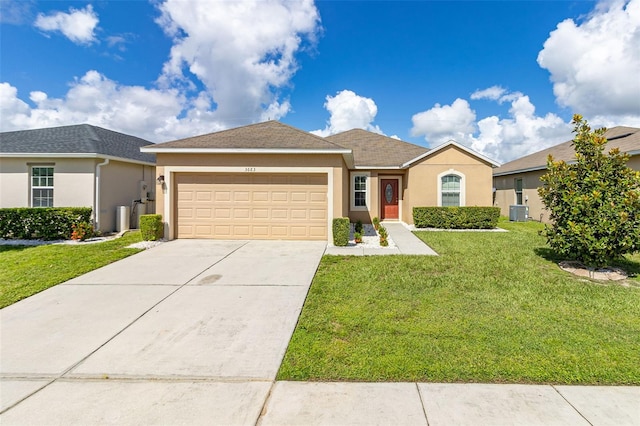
(266, 135)
(627, 139)
(374, 150)
(75, 139)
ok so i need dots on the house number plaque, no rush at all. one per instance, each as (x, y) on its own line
(249, 169)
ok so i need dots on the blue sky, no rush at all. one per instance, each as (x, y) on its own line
(502, 77)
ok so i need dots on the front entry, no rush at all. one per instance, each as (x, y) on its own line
(389, 197)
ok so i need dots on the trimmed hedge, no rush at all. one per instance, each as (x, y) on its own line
(341, 231)
(151, 227)
(42, 223)
(456, 217)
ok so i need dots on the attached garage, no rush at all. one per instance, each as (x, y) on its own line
(282, 206)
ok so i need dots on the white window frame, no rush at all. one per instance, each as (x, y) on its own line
(462, 186)
(352, 191)
(39, 187)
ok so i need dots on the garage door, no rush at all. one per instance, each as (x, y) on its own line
(252, 206)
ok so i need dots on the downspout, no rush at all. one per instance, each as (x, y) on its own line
(96, 202)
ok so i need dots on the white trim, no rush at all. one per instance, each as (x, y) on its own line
(151, 149)
(352, 188)
(72, 155)
(96, 203)
(400, 193)
(462, 186)
(169, 171)
(446, 145)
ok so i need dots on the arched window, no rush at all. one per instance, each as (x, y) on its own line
(450, 191)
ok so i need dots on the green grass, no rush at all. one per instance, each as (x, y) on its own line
(493, 307)
(26, 270)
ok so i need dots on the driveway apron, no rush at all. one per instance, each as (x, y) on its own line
(191, 332)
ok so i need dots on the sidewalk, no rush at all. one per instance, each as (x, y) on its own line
(405, 241)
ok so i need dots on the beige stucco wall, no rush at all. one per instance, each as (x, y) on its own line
(73, 181)
(119, 186)
(422, 182)
(505, 194)
(238, 163)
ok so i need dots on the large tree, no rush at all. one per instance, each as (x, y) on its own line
(594, 201)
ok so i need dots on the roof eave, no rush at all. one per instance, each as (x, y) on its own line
(73, 155)
(154, 150)
(446, 145)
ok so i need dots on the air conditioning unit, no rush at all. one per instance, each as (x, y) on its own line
(518, 213)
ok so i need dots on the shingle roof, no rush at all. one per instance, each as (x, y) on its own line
(265, 135)
(374, 150)
(76, 139)
(627, 139)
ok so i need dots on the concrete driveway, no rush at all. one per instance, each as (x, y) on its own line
(184, 333)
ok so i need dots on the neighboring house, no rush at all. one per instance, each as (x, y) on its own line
(273, 181)
(76, 166)
(517, 182)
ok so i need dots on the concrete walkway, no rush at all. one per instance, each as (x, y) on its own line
(406, 243)
(193, 332)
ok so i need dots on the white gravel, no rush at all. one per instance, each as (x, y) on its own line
(370, 238)
(147, 244)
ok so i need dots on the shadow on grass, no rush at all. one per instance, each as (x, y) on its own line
(4, 248)
(631, 267)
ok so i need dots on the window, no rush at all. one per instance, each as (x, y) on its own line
(359, 191)
(518, 187)
(450, 191)
(42, 186)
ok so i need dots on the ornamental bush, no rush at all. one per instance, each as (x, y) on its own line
(151, 227)
(456, 217)
(341, 231)
(594, 202)
(42, 223)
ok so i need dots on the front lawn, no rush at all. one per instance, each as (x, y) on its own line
(493, 307)
(26, 270)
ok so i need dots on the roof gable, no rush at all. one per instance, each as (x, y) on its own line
(374, 150)
(73, 140)
(268, 135)
(627, 139)
(460, 147)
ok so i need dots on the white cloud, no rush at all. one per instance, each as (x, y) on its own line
(492, 93)
(349, 111)
(502, 139)
(243, 52)
(442, 123)
(16, 12)
(153, 114)
(594, 64)
(78, 25)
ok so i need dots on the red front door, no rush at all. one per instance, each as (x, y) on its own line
(389, 197)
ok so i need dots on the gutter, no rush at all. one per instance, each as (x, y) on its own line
(96, 190)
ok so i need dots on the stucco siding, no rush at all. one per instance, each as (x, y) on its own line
(505, 194)
(423, 180)
(120, 186)
(73, 181)
(169, 164)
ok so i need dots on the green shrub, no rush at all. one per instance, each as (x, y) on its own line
(456, 217)
(357, 237)
(382, 231)
(376, 223)
(358, 227)
(42, 223)
(82, 231)
(594, 202)
(341, 231)
(151, 227)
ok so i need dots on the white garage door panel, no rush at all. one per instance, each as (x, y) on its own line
(252, 206)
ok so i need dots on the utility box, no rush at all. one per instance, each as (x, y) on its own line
(518, 213)
(123, 214)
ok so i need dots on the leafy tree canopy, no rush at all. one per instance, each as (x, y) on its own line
(594, 201)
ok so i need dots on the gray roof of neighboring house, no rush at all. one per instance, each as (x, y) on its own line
(374, 150)
(76, 139)
(268, 135)
(627, 139)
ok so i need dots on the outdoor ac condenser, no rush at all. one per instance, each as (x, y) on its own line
(518, 213)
